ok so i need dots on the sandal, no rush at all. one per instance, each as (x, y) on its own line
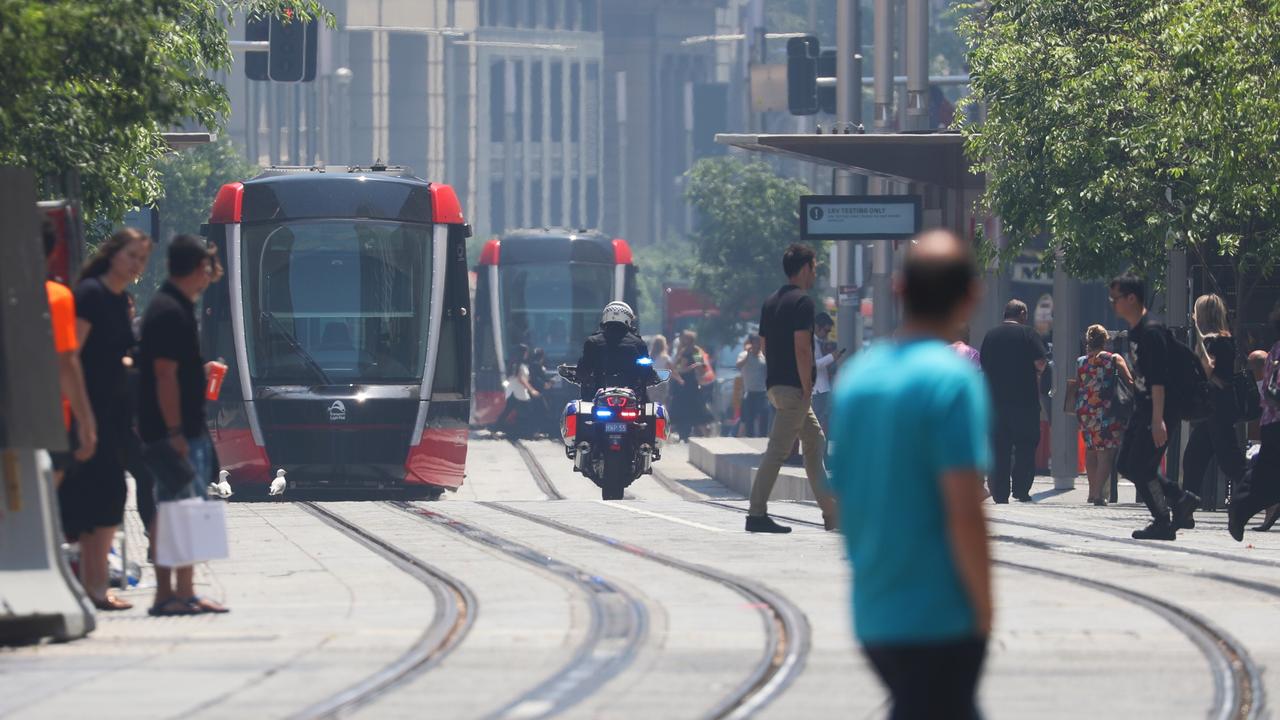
(111, 603)
(201, 605)
(171, 607)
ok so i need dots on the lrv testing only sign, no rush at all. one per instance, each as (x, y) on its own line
(859, 217)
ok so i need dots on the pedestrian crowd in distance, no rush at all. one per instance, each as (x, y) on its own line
(133, 392)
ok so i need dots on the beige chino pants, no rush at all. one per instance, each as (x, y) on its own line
(794, 418)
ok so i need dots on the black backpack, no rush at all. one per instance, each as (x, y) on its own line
(1188, 393)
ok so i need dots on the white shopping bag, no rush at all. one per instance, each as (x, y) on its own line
(190, 531)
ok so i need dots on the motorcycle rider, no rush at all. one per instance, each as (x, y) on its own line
(610, 355)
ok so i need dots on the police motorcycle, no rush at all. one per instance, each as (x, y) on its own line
(614, 438)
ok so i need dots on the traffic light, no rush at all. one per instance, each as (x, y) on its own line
(802, 75)
(255, 62)
(827, 93)
(292, 56)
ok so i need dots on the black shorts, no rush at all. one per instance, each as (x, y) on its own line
(93, 493)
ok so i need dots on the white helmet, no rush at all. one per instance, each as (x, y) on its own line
(620, 312)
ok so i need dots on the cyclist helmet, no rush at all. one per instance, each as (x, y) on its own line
(618, 312)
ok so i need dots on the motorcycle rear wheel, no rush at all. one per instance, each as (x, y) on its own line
(617, 474)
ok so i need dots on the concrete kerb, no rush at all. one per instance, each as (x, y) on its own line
(733, 462)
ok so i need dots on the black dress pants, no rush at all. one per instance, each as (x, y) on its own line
(936, 681)
(1139, 460)
(1260, 487)
(1214, 437)
(1014, 441)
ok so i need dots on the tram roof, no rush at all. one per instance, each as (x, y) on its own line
(540, 245)
(378, 192)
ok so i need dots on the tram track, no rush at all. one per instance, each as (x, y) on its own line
(786, 627)
(619, 624)
(456, 608)
(539, 473)
(1237, 680)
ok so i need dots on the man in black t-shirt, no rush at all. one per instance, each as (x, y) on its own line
(1147, 434)
(786, 332)
(1013, 357)
(171, 403)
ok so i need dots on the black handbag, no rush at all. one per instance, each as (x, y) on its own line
(1119, 394)
(1248, 400)
(175, 472)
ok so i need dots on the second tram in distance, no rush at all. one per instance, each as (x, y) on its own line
(542, 288)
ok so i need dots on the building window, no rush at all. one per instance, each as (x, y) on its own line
(513, 12)
(575, 203)
(497, 207)
(575, 102)
(553, 14)
(571, 15)
(497, 100)
(556, 216)
(593, 202)
(535, 203)
(557, 101)
(590, 15)
(535, 101)
(531, 13)
(519, 108)
(518, 220)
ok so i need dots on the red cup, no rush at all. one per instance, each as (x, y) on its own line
(217, 371)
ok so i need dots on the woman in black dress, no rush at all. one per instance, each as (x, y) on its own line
(688, 407)
(1215, 436)
(93, 496)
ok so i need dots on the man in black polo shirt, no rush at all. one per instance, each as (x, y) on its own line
(1013, 357)
(171, 401)
(786, 332)
(1147, 434)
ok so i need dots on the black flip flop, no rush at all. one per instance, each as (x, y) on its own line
(171, 608)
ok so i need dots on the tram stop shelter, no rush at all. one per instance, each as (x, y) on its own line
(934, 166)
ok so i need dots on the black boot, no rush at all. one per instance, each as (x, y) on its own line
(1270, 519)
(1236, 520)
(765, 524)
(1157, 530)
(1184, 511)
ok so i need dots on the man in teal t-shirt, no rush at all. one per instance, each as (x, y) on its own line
(910, 432)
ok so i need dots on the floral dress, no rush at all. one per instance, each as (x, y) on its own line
(1096, 377)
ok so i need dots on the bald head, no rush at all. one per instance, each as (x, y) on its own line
(1258, 363)
(938, 276)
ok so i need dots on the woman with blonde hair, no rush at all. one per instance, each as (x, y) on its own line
(661, 361)
(1214, 436)
(1092, 396)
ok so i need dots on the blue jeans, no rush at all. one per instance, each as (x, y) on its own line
(200, 455)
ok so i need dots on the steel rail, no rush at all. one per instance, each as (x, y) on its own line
(786, 627)
(619, 624)
(1237, 680)
(539, 473)
(455, 613)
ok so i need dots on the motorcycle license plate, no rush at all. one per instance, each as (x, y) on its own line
(615, 427)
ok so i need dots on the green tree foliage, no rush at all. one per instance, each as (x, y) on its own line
(191, 179)
(747, 215)
(90, 85)
(668, 264)
(1124, 127)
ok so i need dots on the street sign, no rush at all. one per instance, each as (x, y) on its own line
(859, 217)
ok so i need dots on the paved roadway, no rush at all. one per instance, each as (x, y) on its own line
(501, 602)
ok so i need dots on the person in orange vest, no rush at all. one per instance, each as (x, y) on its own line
(83, 433)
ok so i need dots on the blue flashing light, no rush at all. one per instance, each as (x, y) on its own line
(603, 413)
(646, 361)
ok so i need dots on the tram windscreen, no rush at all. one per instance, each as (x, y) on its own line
(337, 301)
(554, 306)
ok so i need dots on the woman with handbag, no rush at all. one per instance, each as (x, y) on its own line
(1215, 436)
(1097, 397)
